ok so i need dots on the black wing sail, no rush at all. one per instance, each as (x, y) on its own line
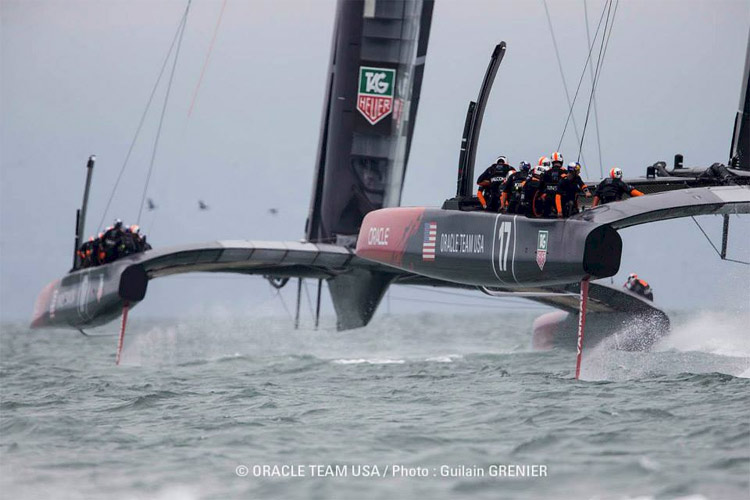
(374, 81)
(739, 155)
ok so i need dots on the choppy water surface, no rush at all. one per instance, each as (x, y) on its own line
(195, 400)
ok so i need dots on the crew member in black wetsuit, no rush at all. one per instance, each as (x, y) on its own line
(532, 203)
(612, 188)
(566, 199)
(639, 286)
(110, 242)
(489, 183)
(511, 197)
(85, 253)
(113, 243)
(511, 173)
(551, 179)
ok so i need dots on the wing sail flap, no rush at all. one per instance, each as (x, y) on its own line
(671, 205)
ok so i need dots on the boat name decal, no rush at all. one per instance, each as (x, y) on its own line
(461, 243)
(378, 236)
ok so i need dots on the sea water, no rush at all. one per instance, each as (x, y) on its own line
(430, 405)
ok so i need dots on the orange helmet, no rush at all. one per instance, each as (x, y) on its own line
(615, 173)
(543, 161)
(557, 157)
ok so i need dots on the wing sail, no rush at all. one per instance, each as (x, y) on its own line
(671, 205)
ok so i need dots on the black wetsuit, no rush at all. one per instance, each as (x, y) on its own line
(513, 188)
(130, 242)
(568, 188)
(531, 197)
(612, 190)
(551, 179)
(110, 243)
(85, 254)
(492, 171)
(493, 178)
(641, 288)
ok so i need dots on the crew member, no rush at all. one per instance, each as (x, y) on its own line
(112, 241)
(85, 253)
(532, 203)
(99, 253)
(138, 240)
(639, 286)
(566, 198)
(511, 172)
(551, 179)
(489, 183)
(543, 162)
(511, 197)
(612, 188)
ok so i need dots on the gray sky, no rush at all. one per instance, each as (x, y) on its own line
(75, 77)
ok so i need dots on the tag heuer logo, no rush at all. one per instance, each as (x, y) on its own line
(541, 248)
(375, 93)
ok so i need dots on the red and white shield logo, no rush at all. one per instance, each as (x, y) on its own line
(541, 248)
(541, 258)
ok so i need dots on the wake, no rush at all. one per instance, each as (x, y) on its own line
(705, 342)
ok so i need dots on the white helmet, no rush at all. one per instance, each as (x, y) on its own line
(615, 173)
(539, 170)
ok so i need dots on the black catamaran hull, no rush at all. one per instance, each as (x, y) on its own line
(485, 249)
(90, 297)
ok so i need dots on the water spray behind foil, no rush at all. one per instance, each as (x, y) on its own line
(707, 342)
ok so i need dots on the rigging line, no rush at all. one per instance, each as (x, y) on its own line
(609, 35)
(140, 124)
(309, 301)
(562, 74)
(597, 76)
(163, 112)
(596, 108)
(737, 261)
(714, 246)
(283, 303)
(597, 73)
(208, 56)
(583, 73)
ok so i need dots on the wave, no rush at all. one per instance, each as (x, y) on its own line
(373, 361)
(721, 333)
(449, 358)
(706, 343)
